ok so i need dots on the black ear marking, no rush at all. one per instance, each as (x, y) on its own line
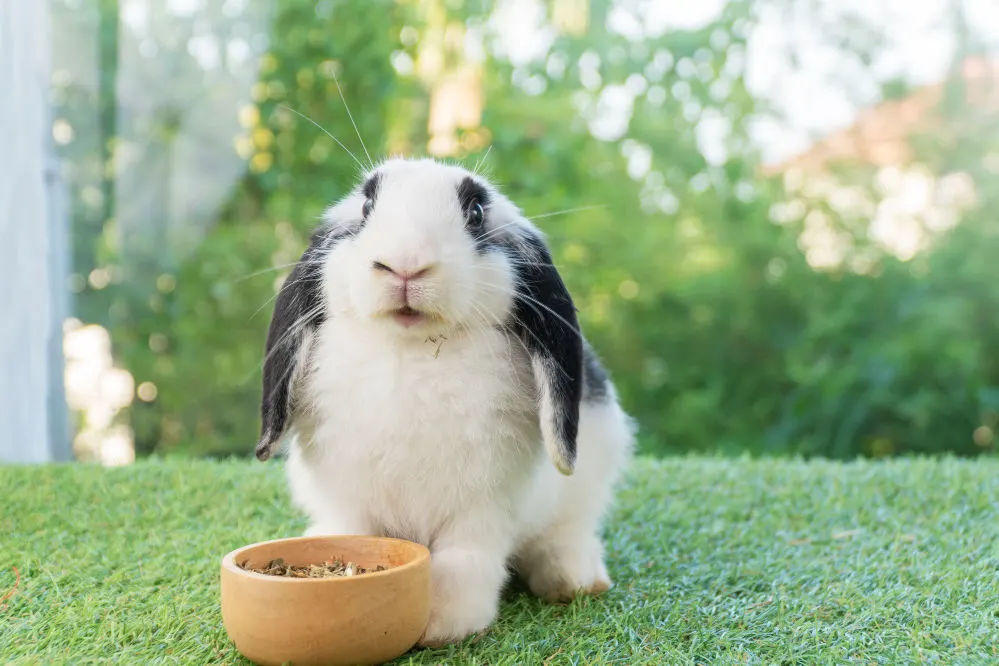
(298, 311)
(545, 319)
(370, 192)
(371, 187)
(470, 191)
(474, 199)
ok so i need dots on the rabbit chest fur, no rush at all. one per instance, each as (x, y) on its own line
(401, 438)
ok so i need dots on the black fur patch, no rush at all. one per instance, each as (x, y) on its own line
(595, 376)
(469, 192)
(371, 187)
(545, 319)
(297, 311)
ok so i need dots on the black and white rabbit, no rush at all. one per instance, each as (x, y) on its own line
(423, 356)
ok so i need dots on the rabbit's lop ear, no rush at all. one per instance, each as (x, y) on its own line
(545, 318)
(298, 311)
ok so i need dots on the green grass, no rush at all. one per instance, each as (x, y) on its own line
(769, 562)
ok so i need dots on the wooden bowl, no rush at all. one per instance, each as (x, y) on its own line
(369, 618)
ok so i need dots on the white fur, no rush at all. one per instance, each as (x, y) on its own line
(431, 433)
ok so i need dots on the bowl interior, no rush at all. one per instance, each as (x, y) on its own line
(365, 551)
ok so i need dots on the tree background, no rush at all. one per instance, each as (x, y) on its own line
(741, 307)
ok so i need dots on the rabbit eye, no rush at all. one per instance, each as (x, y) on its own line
(366, 208)
(476, 216)
(473, 199)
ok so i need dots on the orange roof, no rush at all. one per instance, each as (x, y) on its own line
(880, 135)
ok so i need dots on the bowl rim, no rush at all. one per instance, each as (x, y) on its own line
(229, 560)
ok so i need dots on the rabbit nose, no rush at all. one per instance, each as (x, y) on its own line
(403, 274)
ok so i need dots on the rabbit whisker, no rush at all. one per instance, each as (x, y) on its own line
(351, 116)
(567, 211)
(482, 160)
(328, 133)
(296, 328)
(277, 268)
(277, 293)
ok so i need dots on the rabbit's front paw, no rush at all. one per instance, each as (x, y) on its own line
(447, 627)
(466, 587)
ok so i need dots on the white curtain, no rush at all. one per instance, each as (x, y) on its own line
(32, 245)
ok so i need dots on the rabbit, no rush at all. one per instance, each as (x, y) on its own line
(425, 365)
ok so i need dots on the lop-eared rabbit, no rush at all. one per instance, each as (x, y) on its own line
(426, 364)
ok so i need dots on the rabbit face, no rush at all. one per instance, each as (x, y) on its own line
(427, 251)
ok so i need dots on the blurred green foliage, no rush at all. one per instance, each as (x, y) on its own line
(720, 334)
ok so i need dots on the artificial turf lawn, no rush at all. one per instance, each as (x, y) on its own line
(776, 562)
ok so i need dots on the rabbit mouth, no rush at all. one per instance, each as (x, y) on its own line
(408, 317)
